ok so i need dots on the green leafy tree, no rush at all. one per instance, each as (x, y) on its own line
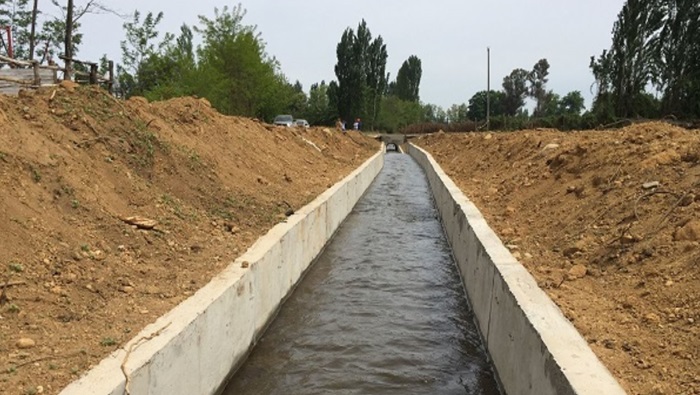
(298, 101)
(170, 71)
(677, 71)
(140, 40)
(434, 113)
(397, 113)
(361, 74)
(551, 105)
(407, 85)
(633, 51)
(60, 34)
(602, 68)
(18, 15)
(515, 91)
(51, 40)
(234, 71)
(538, 79)
(52, 37)
(654, 42)
(476, 110)
(334, 97)
(376, 78)
(140, 54)
(572, 103)
(458, 113)
(349, 89)
(319, 110)
(103, 65)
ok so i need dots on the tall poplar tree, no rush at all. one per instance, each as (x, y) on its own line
(408, 80)
(538, 85)
(515, 91)
(361, 74)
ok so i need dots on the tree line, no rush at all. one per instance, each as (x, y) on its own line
(655, 46)
(651, 70)
(232, 69)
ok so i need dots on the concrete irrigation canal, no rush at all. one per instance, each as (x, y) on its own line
(382, 311)
(386, 308)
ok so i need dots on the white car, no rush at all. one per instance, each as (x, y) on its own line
(284, 120)
(302, 123)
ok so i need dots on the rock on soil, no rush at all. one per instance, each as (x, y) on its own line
(25, 343)
(688, 232)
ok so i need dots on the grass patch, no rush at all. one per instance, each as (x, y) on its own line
(16, 267)
(174, 205)
(108, 342)
(36, 176)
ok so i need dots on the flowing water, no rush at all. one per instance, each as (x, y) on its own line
(382, 311)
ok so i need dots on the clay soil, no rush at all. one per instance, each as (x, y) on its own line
(608, 223)
(79, 277)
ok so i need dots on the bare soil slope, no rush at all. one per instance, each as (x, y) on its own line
(79, 276)
(609, 225)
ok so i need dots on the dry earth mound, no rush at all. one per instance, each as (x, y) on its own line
(112, 212)
(609, 225)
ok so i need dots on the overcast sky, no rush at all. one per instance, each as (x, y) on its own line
(449, 36)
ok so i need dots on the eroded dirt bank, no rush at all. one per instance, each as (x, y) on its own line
(608, 222)
(76, 163)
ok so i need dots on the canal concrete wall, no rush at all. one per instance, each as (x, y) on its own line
(194, 348)
(534, 348)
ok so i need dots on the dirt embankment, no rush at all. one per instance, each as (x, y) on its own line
(75, 164)
(609, 225)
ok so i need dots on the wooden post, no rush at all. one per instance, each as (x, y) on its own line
(32, 35)
(93, 74)
(110, 84)
(37, 76)
(488, 88)
(69, 40)
(10, 50)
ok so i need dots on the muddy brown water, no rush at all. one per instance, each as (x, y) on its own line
(382, 311)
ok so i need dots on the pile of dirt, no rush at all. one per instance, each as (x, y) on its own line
(608, 223)
(112, 212)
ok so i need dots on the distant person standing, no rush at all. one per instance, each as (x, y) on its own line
(356, 125)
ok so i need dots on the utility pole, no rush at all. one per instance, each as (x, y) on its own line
(32, 36)
(69, 41)
(488, 88)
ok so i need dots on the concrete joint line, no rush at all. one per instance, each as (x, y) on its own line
(492, 299)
